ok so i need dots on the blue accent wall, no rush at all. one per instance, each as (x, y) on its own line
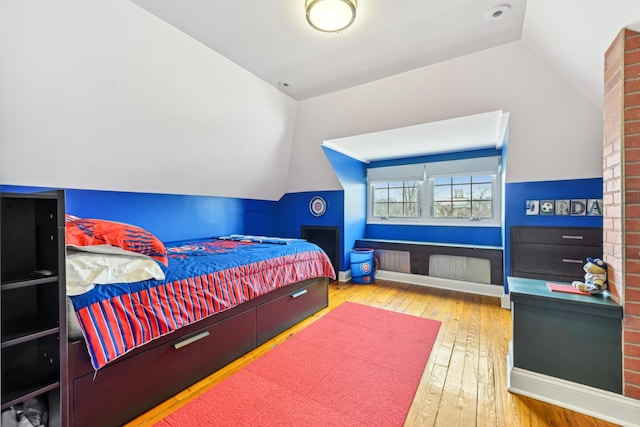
(23, 189)
(170, 217)
(352, 175)
(483, 236)
(293, 211)
(176, 217)
(516, 195)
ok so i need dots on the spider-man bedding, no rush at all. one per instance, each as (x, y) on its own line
(203, 277)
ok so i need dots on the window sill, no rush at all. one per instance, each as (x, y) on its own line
(443, 223)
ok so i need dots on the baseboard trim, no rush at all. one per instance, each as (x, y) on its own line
(344, 276)
(437, 282)
(449, 284)
(505, 301)
(591, 401)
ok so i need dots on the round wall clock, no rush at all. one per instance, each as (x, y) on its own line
(317, 206)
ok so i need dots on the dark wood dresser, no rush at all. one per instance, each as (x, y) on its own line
(553, 253)
(573, 337)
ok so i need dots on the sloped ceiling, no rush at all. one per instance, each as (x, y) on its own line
(272, 40)
(573, 35)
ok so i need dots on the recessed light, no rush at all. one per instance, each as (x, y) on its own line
(497, 12)
(285, 83)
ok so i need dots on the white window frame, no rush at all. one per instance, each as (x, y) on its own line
(405, 173)
(403, 219)
(474, 166)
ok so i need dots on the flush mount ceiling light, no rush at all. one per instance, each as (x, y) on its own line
(331, 16)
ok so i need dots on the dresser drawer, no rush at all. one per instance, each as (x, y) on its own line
(553, 253)
(540, 261)
(575, 236)
(284, 312)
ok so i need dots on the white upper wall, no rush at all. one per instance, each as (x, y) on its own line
(102, 95)
(555, 132)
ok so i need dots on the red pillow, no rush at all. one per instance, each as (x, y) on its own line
(83, 232)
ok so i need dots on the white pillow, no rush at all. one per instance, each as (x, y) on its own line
(74, 331)
(87, 269)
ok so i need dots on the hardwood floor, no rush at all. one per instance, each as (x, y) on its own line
(465, 380)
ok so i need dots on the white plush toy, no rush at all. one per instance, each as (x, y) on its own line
(595, 278)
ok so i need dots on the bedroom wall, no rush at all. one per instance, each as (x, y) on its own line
(351, 174)
(555, 132)
(517, 193)
(472, 235)
(103, 95)
(176, 217)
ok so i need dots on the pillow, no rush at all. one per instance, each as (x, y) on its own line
(87, 269)
(74, 330)
(102, 236)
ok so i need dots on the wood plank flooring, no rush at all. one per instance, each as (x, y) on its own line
(465, 380)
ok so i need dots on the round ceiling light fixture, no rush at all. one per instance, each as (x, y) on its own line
(331, 16)
(497, 12)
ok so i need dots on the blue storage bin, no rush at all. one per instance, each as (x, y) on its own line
(362, 265)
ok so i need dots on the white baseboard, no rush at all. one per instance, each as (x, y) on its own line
(437, 282)
(505, 301)
(449, 284)
(591, 401)
(344, 276)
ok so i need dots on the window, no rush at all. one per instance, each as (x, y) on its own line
(463, 196)
(397, 199)
(459, 192)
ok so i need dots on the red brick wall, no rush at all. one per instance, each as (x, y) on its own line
(621, 176)
(612, 166)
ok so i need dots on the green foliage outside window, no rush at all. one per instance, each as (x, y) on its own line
(398, 199)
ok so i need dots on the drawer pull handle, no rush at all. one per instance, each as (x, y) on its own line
(191, 340)
(573, 261)
(568, 236)
(299, 293)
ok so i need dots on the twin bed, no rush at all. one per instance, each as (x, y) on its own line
(147, 319)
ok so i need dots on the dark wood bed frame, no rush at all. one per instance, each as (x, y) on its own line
(149, 375)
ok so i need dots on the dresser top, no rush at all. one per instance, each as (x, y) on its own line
(538, 289)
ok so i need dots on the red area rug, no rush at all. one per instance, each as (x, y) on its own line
(355, 366)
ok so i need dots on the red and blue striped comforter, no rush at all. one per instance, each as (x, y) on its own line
(204, 277)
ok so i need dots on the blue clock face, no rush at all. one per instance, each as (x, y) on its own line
(317, 206)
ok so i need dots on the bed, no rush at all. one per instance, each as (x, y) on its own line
(184, 310)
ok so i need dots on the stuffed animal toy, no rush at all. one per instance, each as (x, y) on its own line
(595, 278)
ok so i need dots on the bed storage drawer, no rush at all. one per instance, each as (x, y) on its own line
(553, 253)
(160, 372)
(284, 312)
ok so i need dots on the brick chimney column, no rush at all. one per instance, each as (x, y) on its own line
(621, 198)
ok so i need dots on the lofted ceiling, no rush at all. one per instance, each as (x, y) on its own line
(272, 40)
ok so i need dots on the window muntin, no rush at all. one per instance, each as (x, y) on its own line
(463, 196)
(396, 199)
(468, 186)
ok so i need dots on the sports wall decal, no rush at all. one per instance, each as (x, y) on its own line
(317, 206)
(564, 207)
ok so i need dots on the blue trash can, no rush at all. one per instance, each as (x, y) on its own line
(362, 265)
